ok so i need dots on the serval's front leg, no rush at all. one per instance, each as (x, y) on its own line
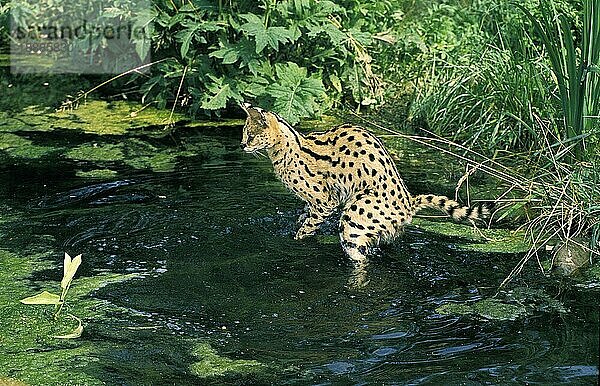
(312, 221)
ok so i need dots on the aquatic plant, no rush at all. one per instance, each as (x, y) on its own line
(70, 268)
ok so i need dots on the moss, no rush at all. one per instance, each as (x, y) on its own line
(96, 152)
(213, 365)
(97, 173)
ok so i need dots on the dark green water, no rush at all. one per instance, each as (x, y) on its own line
(213, 242)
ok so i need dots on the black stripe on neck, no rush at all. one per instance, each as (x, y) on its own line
(297, 136)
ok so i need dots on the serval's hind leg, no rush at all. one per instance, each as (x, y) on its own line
(357, 241)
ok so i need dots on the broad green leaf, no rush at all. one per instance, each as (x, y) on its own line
(218, 100)
(264, 35)
(70, 269)
(142, 47)
(43, 298)
(228, 54)
(295, 92)
(221, 92)
(335, 82)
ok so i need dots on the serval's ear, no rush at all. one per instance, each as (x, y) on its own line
(245, 106)
(255, 113)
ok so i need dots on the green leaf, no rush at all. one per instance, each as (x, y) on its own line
(186, 38)
(69, 269)
(264, 35)
(43, 298)
(335, 82)
(221, 91)
(295, 92)
(142, 47)
(229, 54)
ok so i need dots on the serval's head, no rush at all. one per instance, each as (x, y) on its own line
(260, 131)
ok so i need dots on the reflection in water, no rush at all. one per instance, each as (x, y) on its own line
(215, 244)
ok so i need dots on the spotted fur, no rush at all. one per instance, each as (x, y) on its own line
(346, 167)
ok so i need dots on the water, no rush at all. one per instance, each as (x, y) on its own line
(213, 242)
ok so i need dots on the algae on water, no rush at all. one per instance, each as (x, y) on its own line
(96, 152)
(20, 147)
(491, 309)
(211, 364)
(510, 305)
(97, 173)
(481, 240)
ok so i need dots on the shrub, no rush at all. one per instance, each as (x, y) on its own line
(294, 56)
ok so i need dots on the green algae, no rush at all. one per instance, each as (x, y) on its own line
(116, 118)
(106, 120)
(490, 309)
(219, 123)
(20, 147)
(97, 173)
(28, 346)
(11, 382)
(94, 117)
(26, 331)
(161, 162)
(212, 365)
(140, 154)
(96, 152)
(509, 305)
(479, 240)
(9, 141)
(322, 123)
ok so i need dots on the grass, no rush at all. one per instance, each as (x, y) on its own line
(492, 103)
(576, 73)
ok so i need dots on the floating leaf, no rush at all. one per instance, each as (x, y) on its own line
(70, 269)
(43, 298)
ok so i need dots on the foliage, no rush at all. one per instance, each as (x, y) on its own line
(294, 56)
(476, 71)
